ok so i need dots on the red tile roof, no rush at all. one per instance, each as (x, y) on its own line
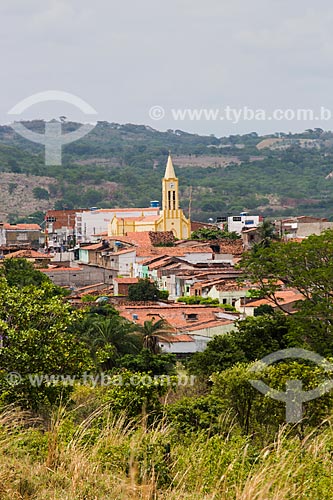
(177, 315)
(130, 281)
(113, 210)
(283, 297)
(27, 254)
(22, 227)
(95, 246)
(53, 269)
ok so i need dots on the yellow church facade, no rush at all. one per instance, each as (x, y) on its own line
(170, 218)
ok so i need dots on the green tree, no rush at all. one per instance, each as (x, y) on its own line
(308, 268)
(221, 353)
(144, 290)
(146, 361)
(213, 234)
(255, 411)
(267, 233)
(41, 193)
(110, 338)
(20, 272)
(36, 342)
(258, 336)
(137, 394)
(152, 332)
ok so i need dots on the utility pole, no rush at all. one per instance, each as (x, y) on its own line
(190, 204)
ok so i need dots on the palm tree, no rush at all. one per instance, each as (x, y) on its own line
(267, 233)
(152, 332)
(115, 334)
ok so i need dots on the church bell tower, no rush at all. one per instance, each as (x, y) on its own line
(172, 218)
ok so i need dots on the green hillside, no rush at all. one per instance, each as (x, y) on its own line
(122, 165)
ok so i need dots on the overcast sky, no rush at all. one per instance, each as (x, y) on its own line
(123, 57)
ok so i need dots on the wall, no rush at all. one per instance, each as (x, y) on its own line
(230, 296)
(87, 275)
(92, 222)
(198, 257)
(237, 226)
(215, 330)
(306, 229)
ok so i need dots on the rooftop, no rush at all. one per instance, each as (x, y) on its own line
(27, 254)
(180, 317)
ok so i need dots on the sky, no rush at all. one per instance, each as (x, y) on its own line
(143, 61)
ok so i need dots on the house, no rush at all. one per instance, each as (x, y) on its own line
(200, 322)
(90, 224)
(121, 285)
(116, 257)
(251, 237)
(37, 258)
(60, 228)
(302, 227)
(77, 277)
(20, 235)
(182, 344)
(236, 223)
(226, 291)
(285, 300)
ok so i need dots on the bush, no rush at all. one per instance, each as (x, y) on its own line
(197, 299)
(143, 291)
(195, 414)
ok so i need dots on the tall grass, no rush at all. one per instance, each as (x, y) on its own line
(107, 458)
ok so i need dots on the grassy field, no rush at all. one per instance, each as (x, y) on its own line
(86, 454)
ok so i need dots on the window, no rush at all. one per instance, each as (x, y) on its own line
(237, 219)
(51, 219)
(22, 237)
(192, 317)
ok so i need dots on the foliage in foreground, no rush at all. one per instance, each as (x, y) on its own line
(103, 457)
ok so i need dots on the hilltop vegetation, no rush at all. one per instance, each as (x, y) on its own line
(122, 165)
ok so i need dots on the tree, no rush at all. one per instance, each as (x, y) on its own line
(146, 361)
(221, 353)
(152, 332)
(267, 233)
(143, 291)
(20, 272)
(213, 234)
(41, 193)
(253, 410)
(308, 268)
(110, 338)
(36, 344)
(254, 338)
(262, 335)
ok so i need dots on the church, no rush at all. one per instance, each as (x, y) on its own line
(170, 218)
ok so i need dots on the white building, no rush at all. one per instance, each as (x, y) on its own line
(237, 222)
(92, 223)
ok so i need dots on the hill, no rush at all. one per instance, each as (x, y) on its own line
(122, 165)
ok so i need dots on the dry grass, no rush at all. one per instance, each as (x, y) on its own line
(105, 458)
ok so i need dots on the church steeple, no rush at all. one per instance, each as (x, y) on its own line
(169, 171)
(170, 188)
(172, 217)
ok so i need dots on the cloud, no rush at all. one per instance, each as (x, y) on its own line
(124, 57)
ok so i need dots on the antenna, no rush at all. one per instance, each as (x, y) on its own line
(190, 204)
